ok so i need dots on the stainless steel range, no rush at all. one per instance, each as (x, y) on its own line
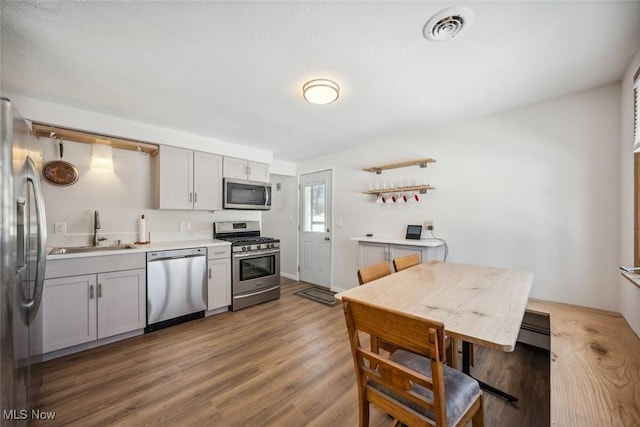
(255, 263)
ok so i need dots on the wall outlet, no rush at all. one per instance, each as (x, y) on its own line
(60, 228)
(185, 226)
(428, 224)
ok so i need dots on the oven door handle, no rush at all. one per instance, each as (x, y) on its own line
(255, 293)
(255, 254)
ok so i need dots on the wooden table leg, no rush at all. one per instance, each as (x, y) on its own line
(466, 368)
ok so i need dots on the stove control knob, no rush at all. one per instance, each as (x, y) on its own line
(270, 245)
(244, 248)
(258, 247)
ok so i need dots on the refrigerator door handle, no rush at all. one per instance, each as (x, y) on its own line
(33, 304)
(21, 210)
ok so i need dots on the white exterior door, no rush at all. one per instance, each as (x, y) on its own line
(315, 228)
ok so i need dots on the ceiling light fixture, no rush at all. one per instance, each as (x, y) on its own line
(320, 91)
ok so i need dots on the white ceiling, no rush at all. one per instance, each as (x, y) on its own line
(234, 70)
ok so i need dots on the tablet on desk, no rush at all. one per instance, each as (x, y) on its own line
(413, 232)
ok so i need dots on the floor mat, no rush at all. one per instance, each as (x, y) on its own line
(320, 295)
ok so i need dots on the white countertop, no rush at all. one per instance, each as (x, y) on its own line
(432, 243)
(149, 247)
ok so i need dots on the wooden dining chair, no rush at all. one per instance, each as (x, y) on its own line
(413, 385)
(381, 269)
(369, 274)
(407, 261)
(373, 272)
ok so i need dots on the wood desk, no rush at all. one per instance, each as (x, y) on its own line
(477, 304)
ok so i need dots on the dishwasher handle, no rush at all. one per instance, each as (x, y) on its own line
(176, 254)
(174, 257)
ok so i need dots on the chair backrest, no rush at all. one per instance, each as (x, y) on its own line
(405, 262)
(407, 332)
(373, 272)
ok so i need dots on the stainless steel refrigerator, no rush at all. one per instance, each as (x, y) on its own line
(23, 233)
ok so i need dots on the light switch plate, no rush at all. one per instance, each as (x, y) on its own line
(185, 226)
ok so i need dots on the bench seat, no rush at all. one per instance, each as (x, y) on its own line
(595, 366)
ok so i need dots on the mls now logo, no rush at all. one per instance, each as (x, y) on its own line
(15, 414)
(23, 414)
(37, 414)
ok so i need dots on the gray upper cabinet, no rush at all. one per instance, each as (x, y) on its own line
(188, 180)
(245, 169)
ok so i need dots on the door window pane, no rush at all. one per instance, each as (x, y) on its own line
(314, 204)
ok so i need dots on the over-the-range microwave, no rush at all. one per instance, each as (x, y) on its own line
(248, 195)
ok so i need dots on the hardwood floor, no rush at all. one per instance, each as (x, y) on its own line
(285, 362)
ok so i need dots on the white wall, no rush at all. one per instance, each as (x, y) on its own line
(121, 195)
(534, 188)
(629, 294)
(281, 222)
(62, 115)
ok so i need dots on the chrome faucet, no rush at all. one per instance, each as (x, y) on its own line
(96, 227)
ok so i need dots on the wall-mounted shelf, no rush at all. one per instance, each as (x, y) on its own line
(422, 189)
(420, 162)
(46, 130)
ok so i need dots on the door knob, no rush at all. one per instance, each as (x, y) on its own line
(327, 238)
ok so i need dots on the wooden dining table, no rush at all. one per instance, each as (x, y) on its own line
(477, 304)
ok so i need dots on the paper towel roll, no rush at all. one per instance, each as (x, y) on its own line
(142, 230)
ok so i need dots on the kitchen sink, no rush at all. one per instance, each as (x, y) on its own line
(82, 249)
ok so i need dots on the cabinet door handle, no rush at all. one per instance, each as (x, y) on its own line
(195, 197)
(99, 290)
(190, 197)
(90, 291)
(209, 272)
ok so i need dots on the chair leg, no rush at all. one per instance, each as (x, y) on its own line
(364, 414)
(478, 418)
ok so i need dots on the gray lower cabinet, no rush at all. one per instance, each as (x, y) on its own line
(219, 277)
(89, 307)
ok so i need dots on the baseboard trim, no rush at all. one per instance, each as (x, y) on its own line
(289, 276)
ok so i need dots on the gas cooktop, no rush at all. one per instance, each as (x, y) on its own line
(247, 240)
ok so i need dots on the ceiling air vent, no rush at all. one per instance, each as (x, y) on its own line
(448, 24)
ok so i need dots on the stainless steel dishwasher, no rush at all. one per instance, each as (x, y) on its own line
(176, 286)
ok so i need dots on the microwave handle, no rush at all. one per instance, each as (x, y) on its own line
(266, 196)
